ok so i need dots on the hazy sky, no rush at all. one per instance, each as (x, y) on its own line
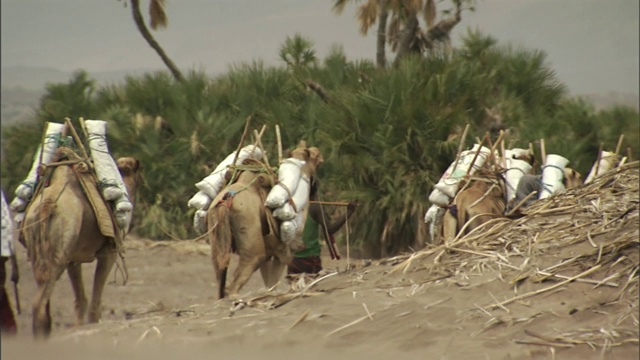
(593, 45)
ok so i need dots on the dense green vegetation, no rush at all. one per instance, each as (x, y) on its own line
(386, 134)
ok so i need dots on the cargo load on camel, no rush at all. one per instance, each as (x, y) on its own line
(57, 146)
(492, 184)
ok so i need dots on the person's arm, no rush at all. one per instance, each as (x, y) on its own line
(329, 225)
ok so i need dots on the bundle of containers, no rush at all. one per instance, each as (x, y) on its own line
(211, 185)
(292, 185)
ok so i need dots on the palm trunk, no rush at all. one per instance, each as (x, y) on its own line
(381, 59)
(137, 18)
(407, 36)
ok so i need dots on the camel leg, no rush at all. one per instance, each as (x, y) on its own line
(74, 270)
(449, 227)
(106, 259)
(246, 267)
(40, 309)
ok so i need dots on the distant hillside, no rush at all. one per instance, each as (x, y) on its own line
(36, 78)
(18, 104)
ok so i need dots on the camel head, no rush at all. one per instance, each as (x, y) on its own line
(129, 168)
(311, 156)
(572, 178)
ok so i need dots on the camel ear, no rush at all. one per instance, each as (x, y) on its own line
(302, 144)
(138, 166)
(307, 154)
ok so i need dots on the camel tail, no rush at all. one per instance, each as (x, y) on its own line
(42, 246)
(220, 239)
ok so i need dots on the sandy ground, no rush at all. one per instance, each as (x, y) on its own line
(168, 309)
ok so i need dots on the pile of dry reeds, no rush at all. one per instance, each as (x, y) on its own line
(603, 214)
(590, 234)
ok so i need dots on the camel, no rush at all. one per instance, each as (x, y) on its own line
(238, 221)
(477, 203)
(61, 232)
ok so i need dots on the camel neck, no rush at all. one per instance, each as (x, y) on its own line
(131, 185)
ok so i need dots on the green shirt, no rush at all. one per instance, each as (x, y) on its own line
(310, 238)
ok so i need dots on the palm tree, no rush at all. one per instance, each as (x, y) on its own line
(158, 20)
(403, 32)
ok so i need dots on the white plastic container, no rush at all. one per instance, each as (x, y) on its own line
(106, 168)
(607, 162)
(24, 191)
(289, 175)
(552, 175)
(300, 199)
(516, 169)
(108, 173)
(200, 221)
(291, 228)
(212, 184)
(200, 201)
(439, 198)
(450, 180)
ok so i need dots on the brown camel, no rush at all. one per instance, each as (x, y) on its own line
(61, 232)
(478, 203)
(238, 221)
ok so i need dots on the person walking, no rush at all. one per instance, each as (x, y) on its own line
(307, 259)
(7, 253)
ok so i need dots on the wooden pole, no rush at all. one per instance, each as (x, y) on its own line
(619, 146)
(595, 175)
(244, 135)
(77, 138)
(279, 141)
(460, 147)
(543, 152)
(504, 154)
(266, 158)
(334, 203)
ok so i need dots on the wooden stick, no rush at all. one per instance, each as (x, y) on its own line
(266, 158)
(624, 160)
(77, 138)
(244, 135)
(595, 175)
(512, 211)
(629, 153)
(255, 142)
(460, 147)
(619, 146)
(349, 324)
(532, 293)
(475, 157)
(504, 154)
(335, 203)
(279, 141)
(543, 152)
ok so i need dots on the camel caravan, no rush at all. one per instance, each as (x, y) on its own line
(74, 207)
(486, 183)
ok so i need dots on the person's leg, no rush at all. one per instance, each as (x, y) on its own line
(7, 320)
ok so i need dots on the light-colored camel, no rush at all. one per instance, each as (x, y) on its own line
(478, 203)
(61, 232)
(238, 221)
